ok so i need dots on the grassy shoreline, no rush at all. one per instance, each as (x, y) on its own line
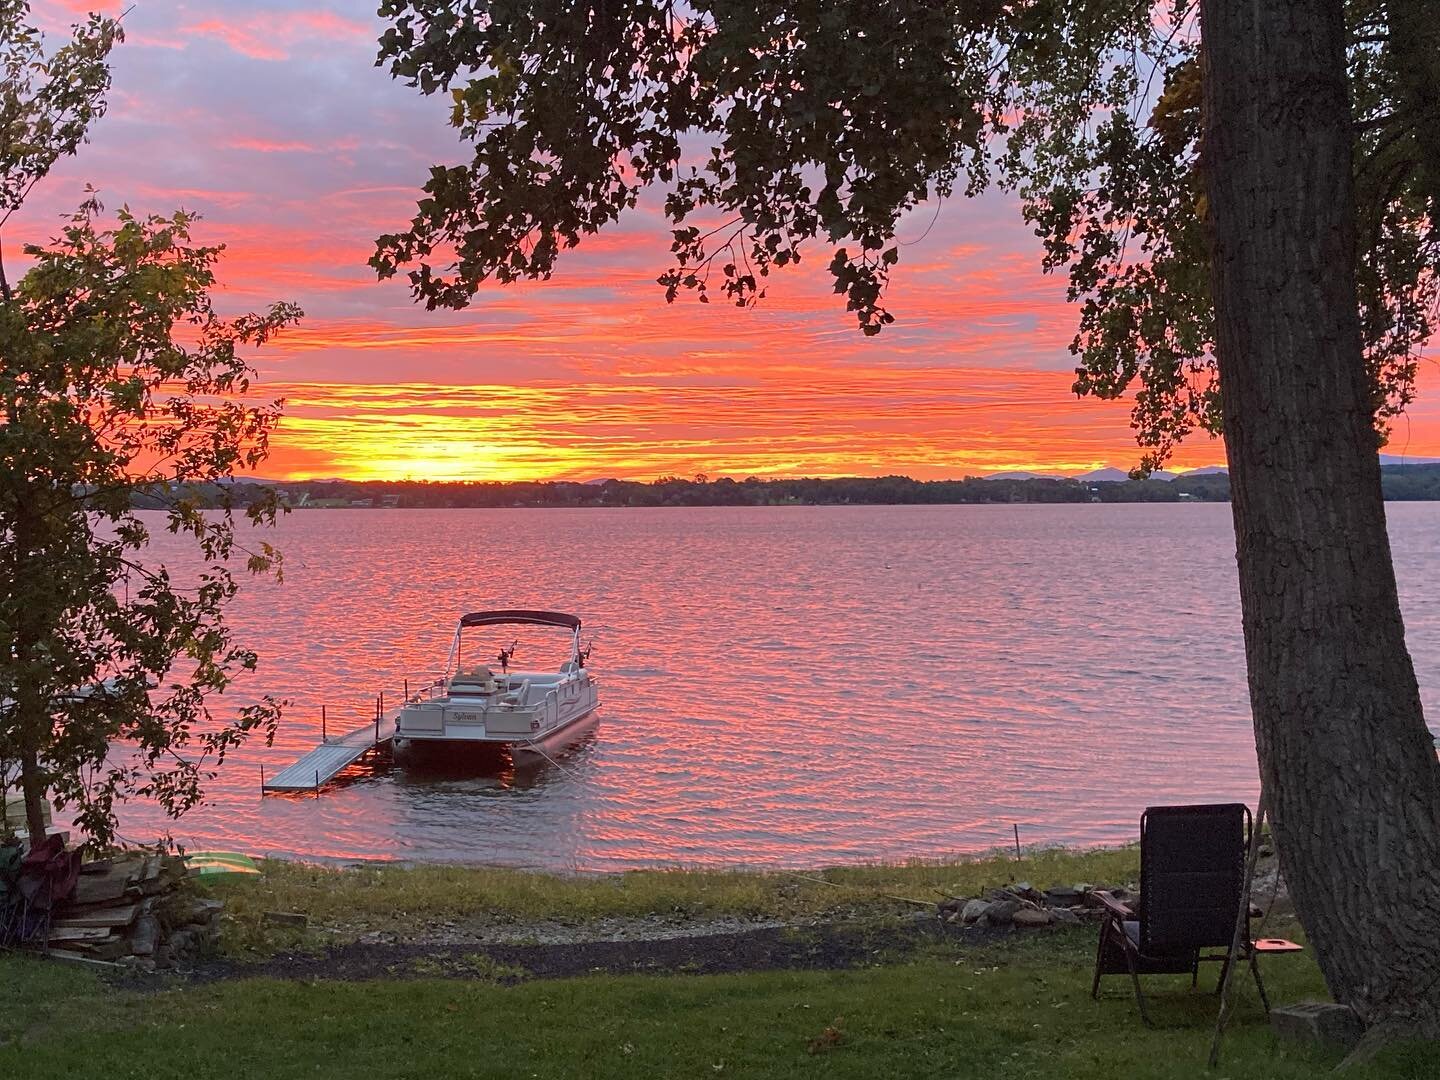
(412, 899)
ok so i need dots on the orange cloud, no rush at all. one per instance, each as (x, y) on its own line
(932, 423)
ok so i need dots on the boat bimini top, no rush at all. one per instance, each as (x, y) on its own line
(513, 617)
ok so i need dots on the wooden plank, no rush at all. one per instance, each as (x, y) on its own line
(76, 958)
(101, 888)
(78, 933)
(123, 915)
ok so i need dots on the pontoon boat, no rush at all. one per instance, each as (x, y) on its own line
(531, 714)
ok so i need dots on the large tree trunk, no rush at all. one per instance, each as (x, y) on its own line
(1344, 752)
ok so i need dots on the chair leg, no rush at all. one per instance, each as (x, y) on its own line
(1224, 970)
(1099, 955)
(1259, 982)
(1139, 994)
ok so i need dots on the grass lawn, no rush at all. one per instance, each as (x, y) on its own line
(1019, 1008)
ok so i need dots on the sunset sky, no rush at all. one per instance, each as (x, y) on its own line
(270, 119)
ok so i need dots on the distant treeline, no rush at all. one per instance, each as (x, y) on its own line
(1402, 482)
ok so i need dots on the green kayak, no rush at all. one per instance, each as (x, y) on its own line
(216, 863)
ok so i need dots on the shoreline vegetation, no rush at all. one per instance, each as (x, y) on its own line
(838, 972)
(1419, 482)
(433, 901)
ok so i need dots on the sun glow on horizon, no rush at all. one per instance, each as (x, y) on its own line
(938, 424)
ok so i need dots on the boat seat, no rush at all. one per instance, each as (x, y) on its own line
(535, 678)
(478, 680)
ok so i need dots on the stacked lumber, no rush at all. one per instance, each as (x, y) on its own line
(136, 910)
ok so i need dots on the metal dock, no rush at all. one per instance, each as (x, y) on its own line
(325, 762)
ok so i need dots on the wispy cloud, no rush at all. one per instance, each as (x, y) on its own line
(273, 35)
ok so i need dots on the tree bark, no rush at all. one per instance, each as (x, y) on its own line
(32, 786)
(1343, 748)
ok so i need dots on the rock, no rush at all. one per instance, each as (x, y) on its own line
(164, 956)
(145, 936)
(973, 910)
(1027, 917)
(202, 909)
(1318, 1021)
(1001, 912)
(1062, 896)
(112, 949)
(287, 918)
(1065, 915)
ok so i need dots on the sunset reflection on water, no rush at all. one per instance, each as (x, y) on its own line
(779, 686)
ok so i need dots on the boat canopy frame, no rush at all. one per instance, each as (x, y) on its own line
(513, 617)
(520, 615)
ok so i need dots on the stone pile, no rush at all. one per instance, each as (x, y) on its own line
(134, 910)
(1022, 905)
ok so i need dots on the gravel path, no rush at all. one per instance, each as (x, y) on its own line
(714, 951)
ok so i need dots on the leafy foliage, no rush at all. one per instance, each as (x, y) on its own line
(118, 377)
(47, 103)
(1119, 205)
(774, 125)
(102, 398)
(575, 107)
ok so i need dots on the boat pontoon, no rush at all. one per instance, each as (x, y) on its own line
(531, 714)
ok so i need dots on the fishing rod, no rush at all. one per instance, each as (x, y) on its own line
(505, 656)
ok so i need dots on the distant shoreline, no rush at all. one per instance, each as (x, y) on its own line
(1402, 483)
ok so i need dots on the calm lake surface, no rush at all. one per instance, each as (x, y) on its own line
(779, 686)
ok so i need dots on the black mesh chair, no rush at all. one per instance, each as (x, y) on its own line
(1192, 883)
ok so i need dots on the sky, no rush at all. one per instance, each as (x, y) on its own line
(270, 119)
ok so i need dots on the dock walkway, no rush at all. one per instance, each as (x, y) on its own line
(324, 763)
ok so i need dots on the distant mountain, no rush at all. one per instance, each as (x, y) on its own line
(1405, 459)
(1020, 474)
(1207, 470)
(1110, 475)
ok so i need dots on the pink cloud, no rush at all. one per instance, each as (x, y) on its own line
(272, 35)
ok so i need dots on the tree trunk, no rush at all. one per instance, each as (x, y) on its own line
(1342, 743)
(32, 786)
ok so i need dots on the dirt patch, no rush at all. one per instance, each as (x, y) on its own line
(767, 948)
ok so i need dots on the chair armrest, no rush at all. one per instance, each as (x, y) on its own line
(1112, 906)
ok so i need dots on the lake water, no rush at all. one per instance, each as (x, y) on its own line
(779, 686)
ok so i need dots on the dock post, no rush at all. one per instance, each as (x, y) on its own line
(323, 736)
(407, 691)
(317, 783)
(262, 778)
